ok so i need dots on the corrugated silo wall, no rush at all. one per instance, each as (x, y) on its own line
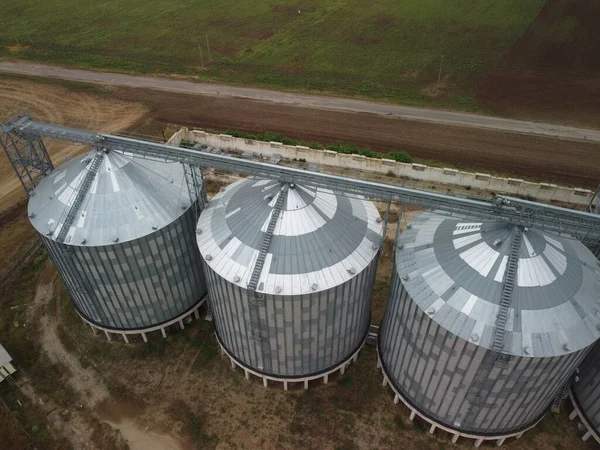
(433, 369)
(587, 390)
(308, 334)
(135, 284)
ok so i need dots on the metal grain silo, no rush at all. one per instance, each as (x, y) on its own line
(290, 272)
(129, 256)
(485, 323)
(585, 394)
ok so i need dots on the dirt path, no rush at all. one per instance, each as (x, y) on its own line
(318, 102)
(92, 391)
(512, 154)
(57, 104)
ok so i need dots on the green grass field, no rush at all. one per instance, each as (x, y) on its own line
(384, 49)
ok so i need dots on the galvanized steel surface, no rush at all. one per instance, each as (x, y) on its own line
(435, 370)
(453, 270)
(129, 197)
(135, 284)
(586, 391)
(439, 321)
(320, 241)
(305, 334)
(314, 291)
(129, 260)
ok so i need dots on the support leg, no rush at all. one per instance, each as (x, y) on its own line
(305, 384)
(573, 415)
(586, 436)
(233, 365)
(181, 324)
(520, 435)
(247, 374)
(455, 438)
(265, 382)
(378, 363)
(343, 369)
(499, 442)
(325, 379)
(412, 415)
(164, 333)
(144, 337)
(385, 381)
(396, 399)
(94, 330)
(432, 429)
(196, 314)
(478, 443)
(285, 385)
(125, 338)
(107, 335)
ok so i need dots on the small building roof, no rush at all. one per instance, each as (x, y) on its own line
(130, 197)
(4, 356)
(320, 239)
(454, 270)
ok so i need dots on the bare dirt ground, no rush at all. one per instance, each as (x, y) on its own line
(90, 388)
(532, 157)
(60, 105)
(553, 70)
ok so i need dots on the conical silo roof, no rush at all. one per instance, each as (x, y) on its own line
(454, 269)
(129, 197)
(320, 240)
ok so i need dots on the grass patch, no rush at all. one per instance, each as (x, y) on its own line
(384, 50)
(339, 147)
(196, 431)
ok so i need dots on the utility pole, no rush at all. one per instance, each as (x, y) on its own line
(207, 46)
(437, 86)
(201, 58)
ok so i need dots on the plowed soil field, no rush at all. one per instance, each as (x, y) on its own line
(553, 71)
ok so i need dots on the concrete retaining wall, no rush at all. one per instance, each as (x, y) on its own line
(509, 186)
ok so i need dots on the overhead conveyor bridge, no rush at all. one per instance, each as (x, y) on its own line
(581, 225)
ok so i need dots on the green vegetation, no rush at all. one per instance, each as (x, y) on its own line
(339, 147)
(386, 49)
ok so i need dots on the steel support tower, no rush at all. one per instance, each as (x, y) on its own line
(27, 154)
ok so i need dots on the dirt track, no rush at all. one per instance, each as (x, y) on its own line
(532, 157)
(535, 157)
(86, 383)
(62, 106)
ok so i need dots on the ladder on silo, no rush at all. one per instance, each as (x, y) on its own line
(495, 358)
(81, 193)
(257, 300)
(560, 396)
(508, 286)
